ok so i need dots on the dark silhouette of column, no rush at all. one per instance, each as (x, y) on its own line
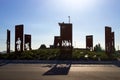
(113, 42)
(27, 42)
(8, 41)
(89, 42)
(57, 41)
(19, 31)
(109, 41)
(66, 40)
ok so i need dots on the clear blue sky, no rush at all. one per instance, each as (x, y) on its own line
(41, 17)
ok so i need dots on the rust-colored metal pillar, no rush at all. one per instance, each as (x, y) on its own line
(109, 41)
(89, 42)
(19, 31)
(8, 41)
(27, 42)
(57, 41)
(113, 42)
(66, 40)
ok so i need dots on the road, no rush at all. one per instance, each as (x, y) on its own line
(59, 72)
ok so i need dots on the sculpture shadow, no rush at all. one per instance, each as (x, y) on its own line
(117, 63)
(59, 69)
(3, 63)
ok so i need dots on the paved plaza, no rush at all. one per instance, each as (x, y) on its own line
(59, 72)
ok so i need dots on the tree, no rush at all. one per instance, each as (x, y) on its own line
(97, 48)
(43, 46)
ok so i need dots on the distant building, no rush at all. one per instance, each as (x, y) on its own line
(89, 42)
(109, 40)
(51, 46)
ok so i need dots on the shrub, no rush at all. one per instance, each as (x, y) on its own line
(53, 54)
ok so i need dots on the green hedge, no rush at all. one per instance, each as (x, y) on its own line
(53, 54)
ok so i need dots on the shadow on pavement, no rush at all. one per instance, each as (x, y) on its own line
(2, 63)
(59, 69)
(117, 63)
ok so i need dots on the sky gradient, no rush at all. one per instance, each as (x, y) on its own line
(41, 18)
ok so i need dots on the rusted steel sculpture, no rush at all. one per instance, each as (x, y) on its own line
(8, 41)
(65, 40)
(109, 41)
(27, 42)
(89, 42)
(19, 31)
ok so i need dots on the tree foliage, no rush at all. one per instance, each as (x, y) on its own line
(53, 54)
(97, 48)
(43, 46)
